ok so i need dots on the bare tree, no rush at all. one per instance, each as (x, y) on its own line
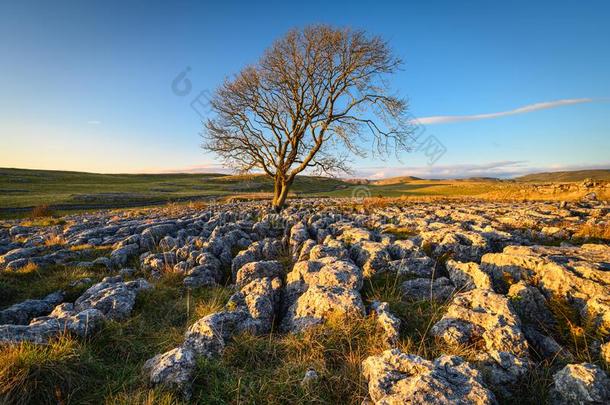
(311, 101)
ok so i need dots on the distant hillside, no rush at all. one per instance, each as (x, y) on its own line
(480, 179)
(394, 180)
(23, 188)
(566, 176)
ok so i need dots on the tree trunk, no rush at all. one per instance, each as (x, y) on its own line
(280, 192)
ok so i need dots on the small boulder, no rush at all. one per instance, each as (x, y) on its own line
(398, 378)
(583, 383)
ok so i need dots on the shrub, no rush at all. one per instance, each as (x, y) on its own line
(41, 211)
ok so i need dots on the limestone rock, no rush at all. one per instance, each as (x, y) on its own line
(579, 275)
(482, 314)
(580, 384)
(254, 270)
(388, 322)
(373, 257)
(398, 378)
(23, 312)
(121, 256)
(320, 303)
(114, 298)
(467, 276)
(173, 369)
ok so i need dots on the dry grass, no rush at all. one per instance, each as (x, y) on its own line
(198, 205)
(107, 367)
(599, 232)
(212, 301)
(55, 240)
(43, 221)
(144, 397)
(172, 209)
(574, 333)
(29, 268)
(510, 194)
(32, 281)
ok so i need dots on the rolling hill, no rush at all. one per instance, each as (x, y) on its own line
(22, 189)
(565, 176)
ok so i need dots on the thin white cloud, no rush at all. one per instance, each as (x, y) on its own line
(445, 119)
(94, 122)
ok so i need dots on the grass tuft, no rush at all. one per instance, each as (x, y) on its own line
(33, 282)
(269, 369)
(41, 374)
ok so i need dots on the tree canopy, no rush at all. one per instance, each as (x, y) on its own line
(314, 99)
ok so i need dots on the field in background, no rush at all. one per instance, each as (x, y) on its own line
(21, 189)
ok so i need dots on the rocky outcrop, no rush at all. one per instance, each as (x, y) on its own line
(23, 312)
(319, 290)
(538, 323)
(398, 378)
(460, 244)
(578, 275)
(111, 299)
(251, 309)
(486, 320)
(173, 369)
(207, 272)
(257, 270)
(465, 255)
(373, 257)
(267, 249)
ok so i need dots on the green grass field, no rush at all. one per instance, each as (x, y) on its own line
(22, 189)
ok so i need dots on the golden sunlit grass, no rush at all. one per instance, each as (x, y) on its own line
(55, 240)
(43, 221)
(510, 194)
(198, 205)
(29, 268)
(107, 367)
(211, 300)
(574, 332)
(143, 396)
(401, 232)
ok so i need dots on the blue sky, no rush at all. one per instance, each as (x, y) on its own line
(87, 86)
